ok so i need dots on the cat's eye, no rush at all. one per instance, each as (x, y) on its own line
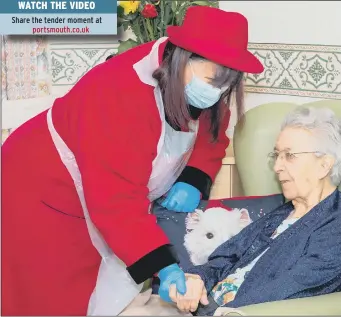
(209, 235)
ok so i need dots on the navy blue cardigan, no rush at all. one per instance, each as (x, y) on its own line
(305, 260)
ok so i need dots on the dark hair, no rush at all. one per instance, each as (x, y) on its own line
(110, 56)
(170, 77)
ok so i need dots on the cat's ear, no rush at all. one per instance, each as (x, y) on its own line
(244, 219)
(193, 219)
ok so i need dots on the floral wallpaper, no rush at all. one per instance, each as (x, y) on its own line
(297, 70)
(25, 69)
(28, 71)
(69, 61)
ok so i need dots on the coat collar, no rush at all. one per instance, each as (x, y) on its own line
(322, 210)
(147, 65)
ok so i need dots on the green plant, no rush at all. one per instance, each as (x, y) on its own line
(148, 20)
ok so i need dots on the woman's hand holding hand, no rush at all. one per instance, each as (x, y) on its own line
(171, 276)
(196, 292)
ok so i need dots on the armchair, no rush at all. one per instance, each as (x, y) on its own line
(251, 146)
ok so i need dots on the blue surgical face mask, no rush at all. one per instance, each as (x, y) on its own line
(200, 94)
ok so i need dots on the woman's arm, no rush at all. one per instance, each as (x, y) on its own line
(206, 159)
(115, 145)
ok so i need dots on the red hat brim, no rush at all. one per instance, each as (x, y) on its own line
(215, 51)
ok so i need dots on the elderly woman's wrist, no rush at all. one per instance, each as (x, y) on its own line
(195, 274)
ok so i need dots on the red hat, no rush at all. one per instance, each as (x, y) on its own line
(216, 35)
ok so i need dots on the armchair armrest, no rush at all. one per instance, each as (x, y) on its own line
(326, 305)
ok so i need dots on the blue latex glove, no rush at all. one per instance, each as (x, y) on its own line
(171, 274)
(182, 197)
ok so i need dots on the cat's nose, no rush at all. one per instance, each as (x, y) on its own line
(209, 235)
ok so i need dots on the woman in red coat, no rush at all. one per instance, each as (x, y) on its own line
(79, 179)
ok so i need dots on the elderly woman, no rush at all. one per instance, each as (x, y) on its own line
(294, 251)
(79, 179)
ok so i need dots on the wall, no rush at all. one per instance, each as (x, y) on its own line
(36, 70)
(45, 68)
(299, 44)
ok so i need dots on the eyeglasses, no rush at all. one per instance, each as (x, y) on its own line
(287, 156)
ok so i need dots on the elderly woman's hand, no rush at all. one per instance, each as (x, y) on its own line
(196, 292)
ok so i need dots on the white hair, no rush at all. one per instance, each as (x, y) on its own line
(328, 128)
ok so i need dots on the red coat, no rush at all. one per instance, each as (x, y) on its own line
(110, 121)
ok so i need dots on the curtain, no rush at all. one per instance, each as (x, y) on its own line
(25, 69)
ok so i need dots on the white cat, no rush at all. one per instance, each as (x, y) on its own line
(208, 230)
